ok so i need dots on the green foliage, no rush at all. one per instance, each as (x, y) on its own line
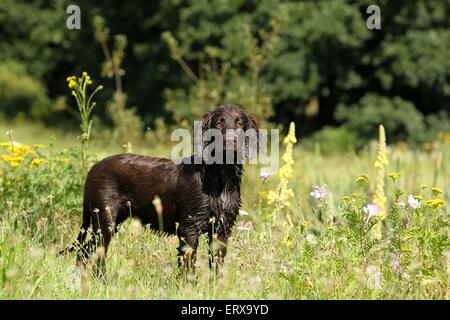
(161, 132)
(33, 32)
(438, 122)
(85, 104)
(21, 93)
(317, 49)
(295, 256)
(219, 81)
(51, 179)
(420, 59)
(334, 140)
(326, 50)
(400, 118)
(128, 125)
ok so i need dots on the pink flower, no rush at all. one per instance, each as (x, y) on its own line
(401, 204)
(264, 175)
(395, 261)
(371, 210)
(413, 202)
(318, 192)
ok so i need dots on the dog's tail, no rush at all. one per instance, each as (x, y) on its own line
(83, 231)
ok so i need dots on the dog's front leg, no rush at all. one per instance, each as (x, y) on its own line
(187, 250)
(217, 250)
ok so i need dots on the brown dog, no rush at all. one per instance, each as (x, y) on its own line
(196, 198)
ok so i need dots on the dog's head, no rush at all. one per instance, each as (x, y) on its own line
(236, 129)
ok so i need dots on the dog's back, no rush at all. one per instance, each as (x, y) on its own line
(127, 184)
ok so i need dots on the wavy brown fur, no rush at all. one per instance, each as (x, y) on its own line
(196, 198)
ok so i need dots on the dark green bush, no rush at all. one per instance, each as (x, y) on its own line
(334, 139)
(323, 49)
(21, 93)
(437, 122)
(400, 118)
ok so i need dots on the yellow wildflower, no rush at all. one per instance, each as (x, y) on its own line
(418, 197)
(72, 84)
(380, 163)
(362, 178)
(14, 164)
(25, 149)
(435, 203)
(436, 190)
(72, 81)
(394, 176)
(263, 194)
(38, 161)
(283, 194)
(290, 139)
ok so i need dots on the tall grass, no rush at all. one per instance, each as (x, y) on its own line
(300, 255)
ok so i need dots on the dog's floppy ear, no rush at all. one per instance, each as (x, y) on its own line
(252, 123)
(202, 125)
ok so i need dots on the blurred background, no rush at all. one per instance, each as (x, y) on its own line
(164, 63)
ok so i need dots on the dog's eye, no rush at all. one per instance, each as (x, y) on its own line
(220, 123)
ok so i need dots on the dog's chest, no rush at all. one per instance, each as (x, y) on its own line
(226, 202)
(211, 199)
(224, 209)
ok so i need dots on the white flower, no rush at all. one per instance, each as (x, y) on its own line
(401, 204)
(318, 192)
(243, 213)
(413, 202)
(310, 238)
(371, 210)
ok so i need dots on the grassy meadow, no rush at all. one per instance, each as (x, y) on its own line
(359, 206)
(307, 248)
